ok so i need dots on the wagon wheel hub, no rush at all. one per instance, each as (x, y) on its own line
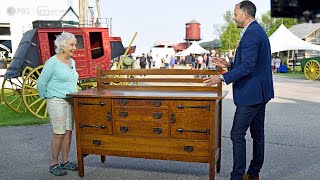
(30, 91)
(312, 70)
(17, 92)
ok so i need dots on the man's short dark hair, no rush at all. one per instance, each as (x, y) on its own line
(249, 7)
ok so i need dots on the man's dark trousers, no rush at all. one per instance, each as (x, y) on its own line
(245, 117)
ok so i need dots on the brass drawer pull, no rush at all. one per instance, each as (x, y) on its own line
(92, 126)
(207, 131)
(83, 103)
(96, 142)
(123, 114)
(124, 129)
(181, 106)
(188, 148)
(123, 102)
(172, 118)
(157, 115)
(157, 103)
(109, 116)
(157, 130)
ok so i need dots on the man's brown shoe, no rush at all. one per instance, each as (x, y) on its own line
(250, 177)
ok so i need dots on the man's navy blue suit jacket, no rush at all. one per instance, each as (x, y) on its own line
(251, 72)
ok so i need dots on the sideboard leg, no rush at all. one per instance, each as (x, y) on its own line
(219, 120)
(211, 170)
(103, 158)
(80, 166)
(219, 162)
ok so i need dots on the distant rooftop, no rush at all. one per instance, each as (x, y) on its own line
(304, 29)
(193, 22)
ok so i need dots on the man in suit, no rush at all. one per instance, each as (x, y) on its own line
(251, 76)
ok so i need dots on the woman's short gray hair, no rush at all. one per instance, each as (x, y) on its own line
(61, 41)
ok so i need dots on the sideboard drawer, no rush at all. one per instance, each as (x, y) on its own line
(141, 129)
(140, 103)
(147, 145)
(140, 114)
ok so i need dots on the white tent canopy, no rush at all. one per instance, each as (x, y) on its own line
(282, 40)
(195, 48)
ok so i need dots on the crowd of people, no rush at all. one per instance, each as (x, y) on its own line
(191, 61)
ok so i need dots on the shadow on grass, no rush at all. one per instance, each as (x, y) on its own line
(9, 117)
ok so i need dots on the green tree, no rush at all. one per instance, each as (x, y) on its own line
(266, 21)
(230, 35)
(270, 25)
(228, 17)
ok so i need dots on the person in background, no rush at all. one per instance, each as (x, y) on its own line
(166, 62)
(272, 63)
(205, 61)
(58, 78)
(150, 60)
(157, 61)
(251, 76)
(172, 62)
(277, 63)
(188, 61)
(230, 56)
(211, 61)
(199, 61)
(194, 61)
(294, 61)
(179, 60)
(143, 61)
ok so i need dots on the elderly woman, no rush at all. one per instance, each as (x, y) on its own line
(58, 78)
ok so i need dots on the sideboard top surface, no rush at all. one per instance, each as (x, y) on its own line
(151, 94)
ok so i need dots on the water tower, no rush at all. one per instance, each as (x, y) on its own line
(192, 31)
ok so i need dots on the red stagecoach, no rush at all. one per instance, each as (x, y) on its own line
(94, 48)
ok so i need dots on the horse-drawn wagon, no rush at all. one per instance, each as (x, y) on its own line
(94, 48)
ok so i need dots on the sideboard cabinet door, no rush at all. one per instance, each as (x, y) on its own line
(93, 115)
(190, 119)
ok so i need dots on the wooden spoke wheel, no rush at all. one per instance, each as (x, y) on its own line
(30, 94)
(11, 91)
(133, 83)
(125, 83)
(312, 70)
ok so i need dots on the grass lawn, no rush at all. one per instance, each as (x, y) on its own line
(297, 74)
(9, 117)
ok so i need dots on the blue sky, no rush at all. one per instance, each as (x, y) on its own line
(164, 20)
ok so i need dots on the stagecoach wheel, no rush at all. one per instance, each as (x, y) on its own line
(30, 95)
(26, 71)
(118, 83)
(312, 70)
(11, 94)
(125, 83)
(133, 83)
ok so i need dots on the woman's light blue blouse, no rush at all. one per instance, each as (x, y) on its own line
(57, 79)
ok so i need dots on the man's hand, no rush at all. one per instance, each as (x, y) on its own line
(221, 62)
(213, 80)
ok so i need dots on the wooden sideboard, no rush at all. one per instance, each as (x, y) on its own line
(167, 115)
